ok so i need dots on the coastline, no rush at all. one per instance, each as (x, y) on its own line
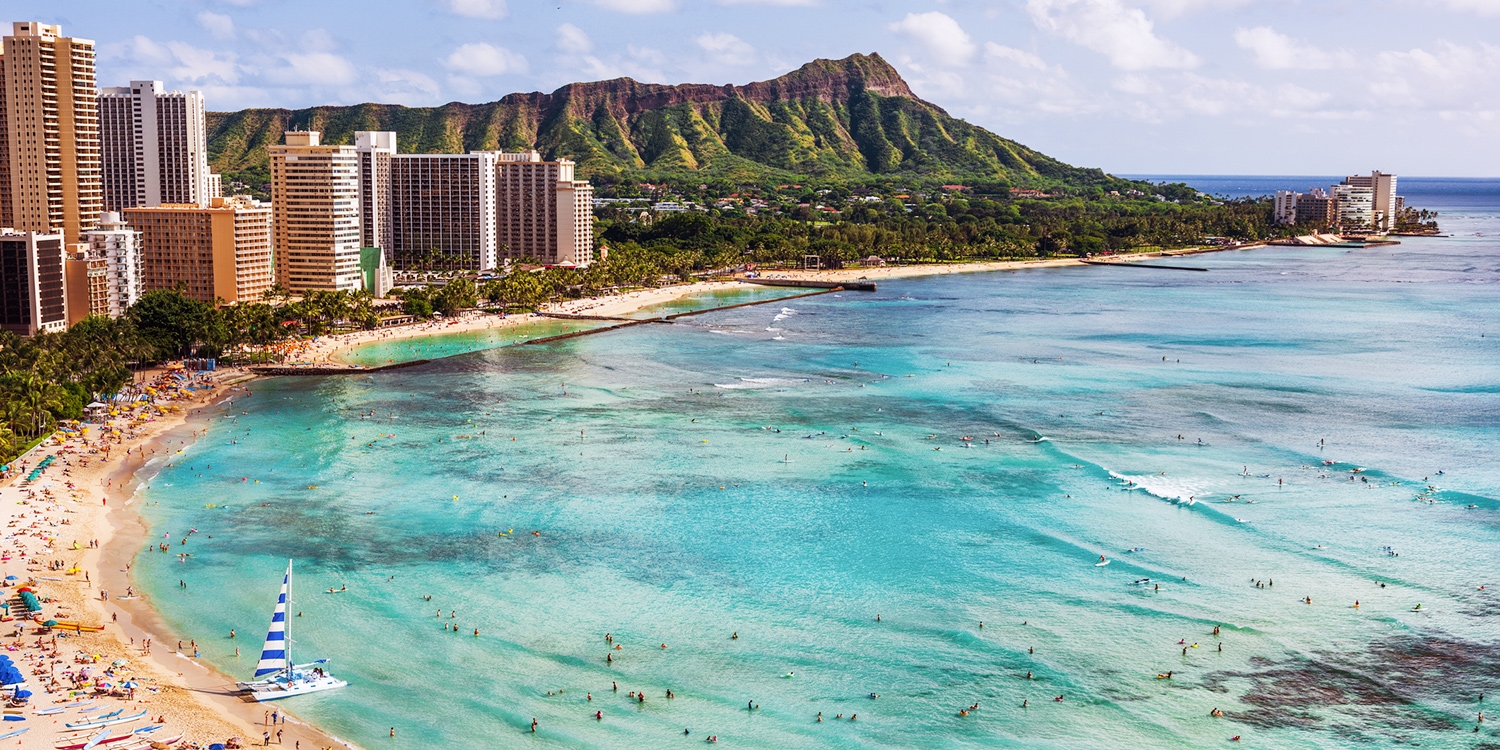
(329, 349)
(194, 696)
(193, 699)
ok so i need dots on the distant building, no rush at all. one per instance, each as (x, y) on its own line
(1317, 211)
(1356, 206)
(33, 286)
(217, 252)
(87, 277)
(542, 212)
(154, 146)
(1384, 201)
(120, 247)
(1285, 207)
(315, 202)
(49, 132)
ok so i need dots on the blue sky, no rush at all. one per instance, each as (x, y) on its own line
(1132, 86)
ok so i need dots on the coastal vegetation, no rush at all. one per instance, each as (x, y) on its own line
(943, 226)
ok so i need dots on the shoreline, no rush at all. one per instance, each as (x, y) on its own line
(195, 700)
(139, 619)
(196, 693)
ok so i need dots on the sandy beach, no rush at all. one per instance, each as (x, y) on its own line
(71, 535)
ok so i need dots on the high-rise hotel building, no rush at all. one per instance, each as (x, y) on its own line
(120, 247)
(315, 205)
(221, 251)
(33, 294)
(542, 212)
(49, 137)
(465, 212)
(154, 146)
(375, 149)
(443, 212)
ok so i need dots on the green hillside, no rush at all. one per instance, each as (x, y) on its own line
(852, 119)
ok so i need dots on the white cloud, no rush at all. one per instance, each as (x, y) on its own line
(780, 3)
(572, 40)
(399, 86)
(313, 68)
(1452, 76)
(1028, 86)
(491, 9)
(1122, 34)
(1481, 7)
(218, 25)
(1173, 8)
(726, 48)
(176, 61)
(317, 40)
(483, 59)
(639, 7)
(1276, 51)
(998, 53)
(944, 39)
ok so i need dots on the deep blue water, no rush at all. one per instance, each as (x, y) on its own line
(787, 472)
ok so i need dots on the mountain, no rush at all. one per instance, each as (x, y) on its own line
(852, 119)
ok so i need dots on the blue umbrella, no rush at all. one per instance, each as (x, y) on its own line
(23, 693)
(12, 578)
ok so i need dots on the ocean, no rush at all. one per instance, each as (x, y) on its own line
(810, 506)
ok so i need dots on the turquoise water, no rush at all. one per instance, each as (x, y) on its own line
(738, 295)
(668, 513)
(440, 345)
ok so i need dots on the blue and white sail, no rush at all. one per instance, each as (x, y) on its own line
(273, 658)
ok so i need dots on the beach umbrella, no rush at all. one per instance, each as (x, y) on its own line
(12, 578)
(49, 623)
(23, 693)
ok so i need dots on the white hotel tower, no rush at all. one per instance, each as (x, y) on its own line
(153, 146)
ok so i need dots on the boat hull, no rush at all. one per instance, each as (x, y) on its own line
(275, 691)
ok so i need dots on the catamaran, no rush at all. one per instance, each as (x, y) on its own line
(276, 675)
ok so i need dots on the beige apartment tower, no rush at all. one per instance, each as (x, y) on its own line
(219, 252)
(541, 212)
(153, 146)
(87, 284)
(49, 158)
(315, 202)
(1384, 203)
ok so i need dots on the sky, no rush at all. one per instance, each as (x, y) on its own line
(1290, 87)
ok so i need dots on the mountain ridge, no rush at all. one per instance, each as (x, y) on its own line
(852, 119)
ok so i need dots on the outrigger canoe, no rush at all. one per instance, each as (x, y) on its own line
(106, 722)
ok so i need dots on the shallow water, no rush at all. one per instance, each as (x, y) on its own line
(439, 344)
(666, 513)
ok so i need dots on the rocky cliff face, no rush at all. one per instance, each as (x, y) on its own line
(852, 118)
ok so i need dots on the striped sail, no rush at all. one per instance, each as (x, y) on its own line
(273, 656)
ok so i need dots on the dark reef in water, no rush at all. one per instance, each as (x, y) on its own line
(1384, 692)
